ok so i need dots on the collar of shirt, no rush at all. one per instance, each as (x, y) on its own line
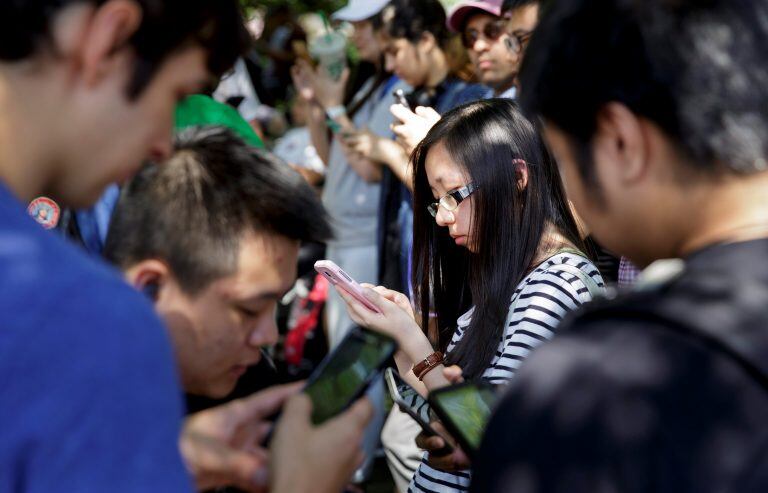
(510, 93)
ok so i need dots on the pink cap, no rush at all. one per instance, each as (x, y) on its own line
(459, 12)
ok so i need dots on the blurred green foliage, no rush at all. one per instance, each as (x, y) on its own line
(298, 6)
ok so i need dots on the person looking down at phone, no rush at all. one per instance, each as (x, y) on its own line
(216, 285)
(352, 189)
(497, 260)
(415, 39)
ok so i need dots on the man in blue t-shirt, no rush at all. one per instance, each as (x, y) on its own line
(90, 394)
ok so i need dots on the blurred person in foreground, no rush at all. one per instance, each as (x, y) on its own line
(663, 144)
(94, 402)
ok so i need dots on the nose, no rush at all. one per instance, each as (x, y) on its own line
(265, 332)
(444, 217)
(481, 44)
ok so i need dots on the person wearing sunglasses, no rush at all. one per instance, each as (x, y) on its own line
(484, 34)
(497, 262)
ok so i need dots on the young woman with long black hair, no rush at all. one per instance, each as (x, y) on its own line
(497, 257)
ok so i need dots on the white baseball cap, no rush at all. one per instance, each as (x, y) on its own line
(359, 10)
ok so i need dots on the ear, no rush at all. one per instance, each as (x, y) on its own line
(111, 26)
(621, 139)
(149, 276)
(427, 41)
(521, 173)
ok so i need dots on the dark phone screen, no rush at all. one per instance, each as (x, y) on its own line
(347, 372)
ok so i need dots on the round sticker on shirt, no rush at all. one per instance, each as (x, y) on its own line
(45, 211)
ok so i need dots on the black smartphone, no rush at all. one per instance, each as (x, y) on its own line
(400, 98)
(413, 404)
(344, 375)
(464, 410)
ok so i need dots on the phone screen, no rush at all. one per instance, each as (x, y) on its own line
(405, 395)
(467, 409)
(347, 372)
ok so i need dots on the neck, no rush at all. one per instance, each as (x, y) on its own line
(438, 68)
(504, 86)
(729, 209)
(551, 241)
(22, 139)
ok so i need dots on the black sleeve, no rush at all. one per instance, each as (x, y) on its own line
(618, 407)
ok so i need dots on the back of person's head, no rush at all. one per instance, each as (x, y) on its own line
(192, 211)
(487, 139)
(26, 29)
(697, 69)
(410, 19)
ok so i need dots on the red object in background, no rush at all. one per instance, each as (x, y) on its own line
(306, 322)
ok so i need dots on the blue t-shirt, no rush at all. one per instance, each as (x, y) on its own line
(89, 395)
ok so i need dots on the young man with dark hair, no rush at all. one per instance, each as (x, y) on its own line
(87, 90)
(212, 236)
(663, 144)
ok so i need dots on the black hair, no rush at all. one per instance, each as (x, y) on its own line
(412, 18)
(508, 224)
(167, 25)
(192, 211)
(698, 69)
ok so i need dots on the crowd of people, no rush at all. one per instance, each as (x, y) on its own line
(562, 200)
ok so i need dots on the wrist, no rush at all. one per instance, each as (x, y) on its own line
(417, 347)
(335, 112)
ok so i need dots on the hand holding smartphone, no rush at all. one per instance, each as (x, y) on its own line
(465, 409)
(338, 277)
(399, 95)
(412, 403)
(345, 374)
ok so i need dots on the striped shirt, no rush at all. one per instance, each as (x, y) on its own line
(538, 304)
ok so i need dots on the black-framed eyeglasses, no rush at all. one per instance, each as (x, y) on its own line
(515, 42)
(492, 31)
(451, 200)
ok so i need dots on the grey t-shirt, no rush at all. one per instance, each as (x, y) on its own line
(352, 202)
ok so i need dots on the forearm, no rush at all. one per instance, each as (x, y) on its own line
(401, 167)
(318, 131)
(366, 169)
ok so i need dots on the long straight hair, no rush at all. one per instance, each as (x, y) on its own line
(484, 138)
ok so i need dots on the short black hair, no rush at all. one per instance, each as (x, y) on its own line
(192, 211)
(412, 18)
(167, 25)
(696, 68)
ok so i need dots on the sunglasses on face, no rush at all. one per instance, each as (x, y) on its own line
(515, 42)
(492, 31)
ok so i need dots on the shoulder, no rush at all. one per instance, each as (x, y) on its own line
(562, 279)
(60, 305)
(613, 398)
